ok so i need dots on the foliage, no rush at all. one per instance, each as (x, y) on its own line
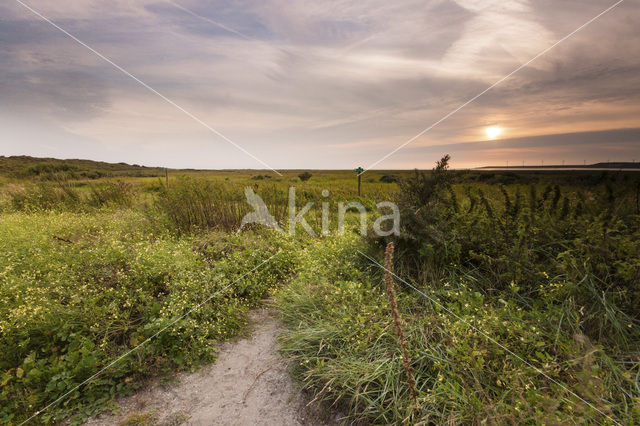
(339, 336)
(389, 178)
(190, 204)
(62, 195)
(80, 289)
(588, 242)
(48, 169)
(546, 263)
(65, 196)
(516, 280)
(261, 177)
(118, 193)
(305, 176)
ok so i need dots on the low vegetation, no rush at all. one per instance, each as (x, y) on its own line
(526, 310)
(80, 289)
(305, 176)
(53, 169)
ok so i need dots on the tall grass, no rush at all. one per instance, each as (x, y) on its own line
(339, 336)
(60, 195)
(191, 204)
(118, 193)
(64, 195)
(554, 277)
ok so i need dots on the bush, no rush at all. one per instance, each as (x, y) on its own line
(424, 211)
(304, 176)
(389, 178)
(507, 240)
(118, 193)
(59, 196)
(192, 204)
(79, 290)
(49, 171)
(260, 177)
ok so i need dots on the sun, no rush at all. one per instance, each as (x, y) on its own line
(493, 132)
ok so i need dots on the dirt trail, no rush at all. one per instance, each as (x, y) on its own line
(248, 385)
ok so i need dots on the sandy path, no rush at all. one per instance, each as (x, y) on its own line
(248, 385)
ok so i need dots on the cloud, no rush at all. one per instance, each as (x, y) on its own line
(303, 82)
(573, 148)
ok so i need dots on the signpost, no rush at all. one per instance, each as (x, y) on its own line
(359, 171)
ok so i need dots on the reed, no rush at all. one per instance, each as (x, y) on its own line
(397, 321)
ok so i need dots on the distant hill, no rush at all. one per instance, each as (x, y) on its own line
(25, 167)
(619, 165)
(608, 165)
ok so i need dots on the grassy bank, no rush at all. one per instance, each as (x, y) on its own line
(341, 339)
(90, 268)
(80, 289)
(530, 316)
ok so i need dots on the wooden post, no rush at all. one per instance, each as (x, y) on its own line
(359, 171)
(166, 176)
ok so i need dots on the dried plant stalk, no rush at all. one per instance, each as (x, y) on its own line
(388, 280)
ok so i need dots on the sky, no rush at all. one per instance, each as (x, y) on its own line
(320, 84)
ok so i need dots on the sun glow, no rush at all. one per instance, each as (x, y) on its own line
(493, 132)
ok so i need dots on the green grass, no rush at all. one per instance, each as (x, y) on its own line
(340, 338)
(91, 264)
(551, 273)
(79, 289)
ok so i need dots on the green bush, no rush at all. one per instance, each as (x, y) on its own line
(33, 197)
(118, 193)
(192, 204)
(78, 290)
(305, 176)
(519, 236)
(389, 178)
(340, 337)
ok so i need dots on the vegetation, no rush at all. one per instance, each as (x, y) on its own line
(193, 204)
(46, 169)
(518, 273)
(526, 309)
(389, 178)
(79, 289)
(305, 176)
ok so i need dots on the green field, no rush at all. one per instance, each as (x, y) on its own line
(529, 281)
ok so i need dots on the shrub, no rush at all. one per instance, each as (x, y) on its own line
(71, 305)
(192, 204)
(59, 196)
(49, 171)
(424, 210)
(389, 179)
(304, 176)
(506, 241)
(118, 193)
(260, 177)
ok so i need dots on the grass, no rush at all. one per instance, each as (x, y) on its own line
(93, 264)
(553, 278)
(341, 340)
(79, 289)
